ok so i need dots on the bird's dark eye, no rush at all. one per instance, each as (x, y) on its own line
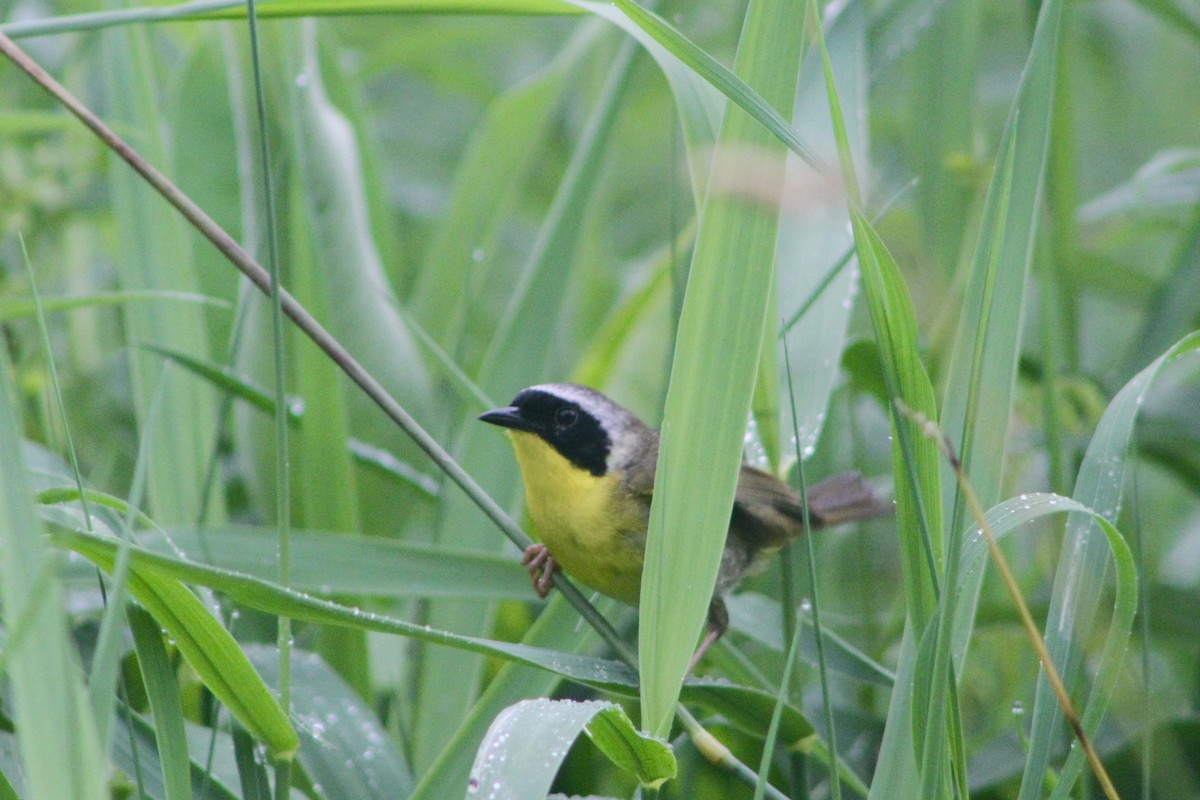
(565, 418)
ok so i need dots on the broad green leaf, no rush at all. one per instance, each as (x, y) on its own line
(527, 743)
(343, 746)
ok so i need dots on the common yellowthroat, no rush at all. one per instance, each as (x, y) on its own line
(588, 466)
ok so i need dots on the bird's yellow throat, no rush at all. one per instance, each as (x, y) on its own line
(577, 517)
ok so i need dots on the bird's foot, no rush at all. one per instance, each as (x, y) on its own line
(541, 566)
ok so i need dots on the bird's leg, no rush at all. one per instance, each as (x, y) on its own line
(541, 566)
(718, 623)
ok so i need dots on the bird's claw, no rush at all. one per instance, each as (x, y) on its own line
(541, 566)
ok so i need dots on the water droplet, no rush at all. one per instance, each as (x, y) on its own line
(477, 255)
(1018, 708)
(302, 80)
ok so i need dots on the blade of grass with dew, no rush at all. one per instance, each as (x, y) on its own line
(1079, 578)
(162, 689)
(345, 564)
(916, 462)
(202, 640)
(158, 571)
(161, 574)
(936, 684)
(814, 230)
(154, 254)
(1116, 642)
(982, 373)
(524, 350)
(527, 742)
(556, 628)
(706, 408)
(46, 681)
(322, 472)
(343, 746)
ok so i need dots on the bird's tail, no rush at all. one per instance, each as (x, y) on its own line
(845, 497)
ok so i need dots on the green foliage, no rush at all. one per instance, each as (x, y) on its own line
(645, 199)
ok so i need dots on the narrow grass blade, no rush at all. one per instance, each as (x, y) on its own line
(15, 308)
(1078, 581)
(347, 564)
(707, 404)
(916, 461)
(162, 688)
(155, 255)
(816, 297)
(48, 696)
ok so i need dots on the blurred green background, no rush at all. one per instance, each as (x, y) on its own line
(476, 202)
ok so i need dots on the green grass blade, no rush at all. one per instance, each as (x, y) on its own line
(916, 462)
(1079, 578)
(707, 405)
(207, 646)
(815, 296)
(540, 732)
(556, 627)
(342, 563)
(982, 374)
(155, 255)
(162, 688)
(16, 308)
(47, 688)
(236, 9)
(343, 747)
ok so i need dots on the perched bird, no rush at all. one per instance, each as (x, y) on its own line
(588, 466)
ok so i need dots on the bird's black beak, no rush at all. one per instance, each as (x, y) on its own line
(507, 418)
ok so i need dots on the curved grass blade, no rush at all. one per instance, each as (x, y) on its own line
(1077, 582)
(203, 641)
(527, 742)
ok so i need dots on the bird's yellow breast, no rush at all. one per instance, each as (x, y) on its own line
(595, 534)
